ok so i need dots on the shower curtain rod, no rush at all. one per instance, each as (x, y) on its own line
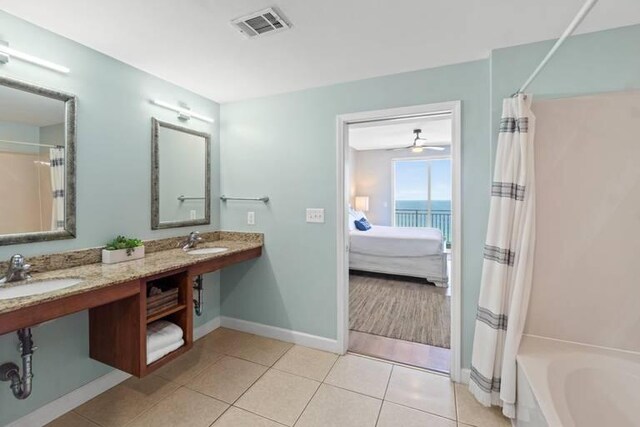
(582, 13)
(35, 144)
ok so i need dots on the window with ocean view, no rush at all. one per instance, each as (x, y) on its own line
(422, 194)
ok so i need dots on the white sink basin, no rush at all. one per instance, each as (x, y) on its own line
(207, 251)
(37, 287)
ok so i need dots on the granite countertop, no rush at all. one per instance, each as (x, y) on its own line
(98, 275)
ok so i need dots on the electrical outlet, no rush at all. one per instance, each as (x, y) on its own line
(251, 218)
(192, 214)
(315, 215)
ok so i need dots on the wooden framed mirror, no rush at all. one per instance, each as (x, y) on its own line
(37, 163)
(180, 176)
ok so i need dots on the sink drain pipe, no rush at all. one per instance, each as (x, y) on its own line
(197, 301)
(20, 385)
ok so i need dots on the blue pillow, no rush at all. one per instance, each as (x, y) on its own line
(362, 224)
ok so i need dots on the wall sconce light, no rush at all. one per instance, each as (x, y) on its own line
(183, 112)
(7, 53)
(362, 203)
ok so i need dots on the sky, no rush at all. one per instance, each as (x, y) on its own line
(412, 179)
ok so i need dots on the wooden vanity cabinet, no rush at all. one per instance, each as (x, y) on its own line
(118, 330)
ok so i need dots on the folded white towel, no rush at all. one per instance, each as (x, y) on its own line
(161, 334)
(158, 354)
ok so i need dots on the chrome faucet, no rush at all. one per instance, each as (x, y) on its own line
(192, 241)
(17, 270)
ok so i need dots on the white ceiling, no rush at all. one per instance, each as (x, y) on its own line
(193, 44)
(399, 133)
(27, 108)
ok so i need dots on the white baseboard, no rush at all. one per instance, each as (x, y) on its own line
(52, 410)
(465, 374)
(206, 328)
(295, 337)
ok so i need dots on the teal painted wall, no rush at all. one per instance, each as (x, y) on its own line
(18, 132)
(284, 146)
(114, 145)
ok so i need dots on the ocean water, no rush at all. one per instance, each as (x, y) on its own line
(421, 205)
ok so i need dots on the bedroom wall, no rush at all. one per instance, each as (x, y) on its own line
(374, 178)
(113, 181)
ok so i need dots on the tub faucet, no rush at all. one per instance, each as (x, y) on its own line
(192, 241)
(17, 270)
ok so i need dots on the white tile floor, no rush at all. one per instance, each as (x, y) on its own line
(232, 379)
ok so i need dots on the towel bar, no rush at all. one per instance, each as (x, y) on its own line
(182, 198)
(263, 199)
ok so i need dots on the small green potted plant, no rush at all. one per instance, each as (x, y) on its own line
(122, 249)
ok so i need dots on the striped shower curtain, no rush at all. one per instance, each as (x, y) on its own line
(508, 260)
(56, 165)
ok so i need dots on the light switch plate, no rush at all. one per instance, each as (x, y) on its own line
(251, 218)
(315, 215)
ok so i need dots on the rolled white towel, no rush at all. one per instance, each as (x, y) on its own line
(161, 334)
(159, 354)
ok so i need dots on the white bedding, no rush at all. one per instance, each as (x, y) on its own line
(397, 241)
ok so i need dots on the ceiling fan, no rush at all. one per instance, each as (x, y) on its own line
(418, 144)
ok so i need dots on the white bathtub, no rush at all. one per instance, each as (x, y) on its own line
(564, 384)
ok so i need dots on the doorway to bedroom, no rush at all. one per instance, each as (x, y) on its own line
(400, 191)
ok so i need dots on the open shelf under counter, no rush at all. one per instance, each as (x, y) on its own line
(166, 312)
(118, 331)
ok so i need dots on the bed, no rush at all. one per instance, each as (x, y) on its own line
(406, 251)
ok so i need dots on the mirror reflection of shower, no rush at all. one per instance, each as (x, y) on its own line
(32, 162)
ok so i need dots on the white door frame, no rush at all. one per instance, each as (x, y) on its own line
(342, 233)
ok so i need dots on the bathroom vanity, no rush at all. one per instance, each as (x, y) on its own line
(117, 295)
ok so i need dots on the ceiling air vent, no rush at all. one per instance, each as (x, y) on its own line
(266, 21)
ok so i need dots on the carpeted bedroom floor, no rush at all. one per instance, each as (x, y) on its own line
(398, 308)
